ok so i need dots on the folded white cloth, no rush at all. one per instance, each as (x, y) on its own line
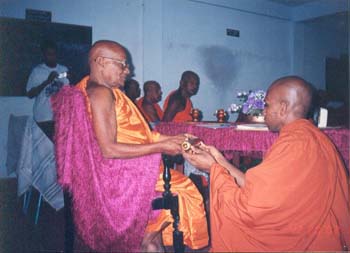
(36, 164)
(15, 133)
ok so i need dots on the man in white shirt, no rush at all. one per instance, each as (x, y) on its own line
(45, 80)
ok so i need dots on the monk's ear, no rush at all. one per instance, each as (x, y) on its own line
(283, 111)
(100, 61)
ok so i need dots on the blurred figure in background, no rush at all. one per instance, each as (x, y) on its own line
(132, 89)
(178, 105)
(148, 104)
(177, 108)
(45, 80)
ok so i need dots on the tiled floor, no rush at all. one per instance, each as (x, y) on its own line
(19, 234)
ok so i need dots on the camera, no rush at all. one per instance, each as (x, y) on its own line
(62, 75)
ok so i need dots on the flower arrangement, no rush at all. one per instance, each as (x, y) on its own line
(252, 103)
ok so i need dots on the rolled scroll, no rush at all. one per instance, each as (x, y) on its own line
(186, 145)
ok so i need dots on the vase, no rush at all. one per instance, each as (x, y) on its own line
(221, 115)
(255, 118)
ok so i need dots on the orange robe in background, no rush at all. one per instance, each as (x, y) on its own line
(182, 116)
(295, 200)
(156, 106)
(133, 129)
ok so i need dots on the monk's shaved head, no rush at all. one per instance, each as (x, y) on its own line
(149, 85)
(296, 92)
(288, 98)
(104, 48)
(108, 64)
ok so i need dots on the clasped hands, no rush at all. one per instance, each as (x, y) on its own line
(203, 157)
(193, 150)
(200, 155)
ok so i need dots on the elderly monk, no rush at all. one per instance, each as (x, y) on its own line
(148, 104)
(178, 106)
(122, 132)
(297, 199)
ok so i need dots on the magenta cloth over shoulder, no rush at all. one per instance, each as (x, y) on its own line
(111, 197)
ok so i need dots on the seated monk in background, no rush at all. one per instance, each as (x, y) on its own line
(178, 106)
(297, 199)
(148, 104)
(122, 132)
(132, 89)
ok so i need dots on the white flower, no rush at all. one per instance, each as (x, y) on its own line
(234, 108)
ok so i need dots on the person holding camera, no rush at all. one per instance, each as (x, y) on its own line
(45, 80)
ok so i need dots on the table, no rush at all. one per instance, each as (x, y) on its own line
(247, 142)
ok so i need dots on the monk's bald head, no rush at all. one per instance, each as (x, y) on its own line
(153, 92)
(149, 85)
(296, 93)
(104, 48)
(108, 64)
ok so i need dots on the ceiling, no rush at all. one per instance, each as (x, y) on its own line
(293, 3)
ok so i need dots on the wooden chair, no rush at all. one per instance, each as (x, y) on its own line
(170, 202)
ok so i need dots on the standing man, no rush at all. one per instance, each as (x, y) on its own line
(45, 80)
(178, 105)
(148, 104)
(132, 89)
(297, 199)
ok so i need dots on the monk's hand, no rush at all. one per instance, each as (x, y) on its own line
(172, 145)
(180, 138)
(190, 136)
(199, 158)
(218, 156)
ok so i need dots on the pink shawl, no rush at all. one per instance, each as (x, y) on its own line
(111, 197)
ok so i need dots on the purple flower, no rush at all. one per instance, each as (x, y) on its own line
(245, 108)
(259, 104)
(252, 102)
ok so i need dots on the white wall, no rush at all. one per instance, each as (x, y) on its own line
(196, 39)
(166, 37)
(319, 8)
(321, 31)
(317, 39)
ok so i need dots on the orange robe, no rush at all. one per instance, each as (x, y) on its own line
(133, 129)
(295, 200)
(182, 116)
(156, 106)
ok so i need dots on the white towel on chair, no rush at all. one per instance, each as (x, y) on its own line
(36, 165)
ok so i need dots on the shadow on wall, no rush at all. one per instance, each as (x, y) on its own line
(220, 65)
